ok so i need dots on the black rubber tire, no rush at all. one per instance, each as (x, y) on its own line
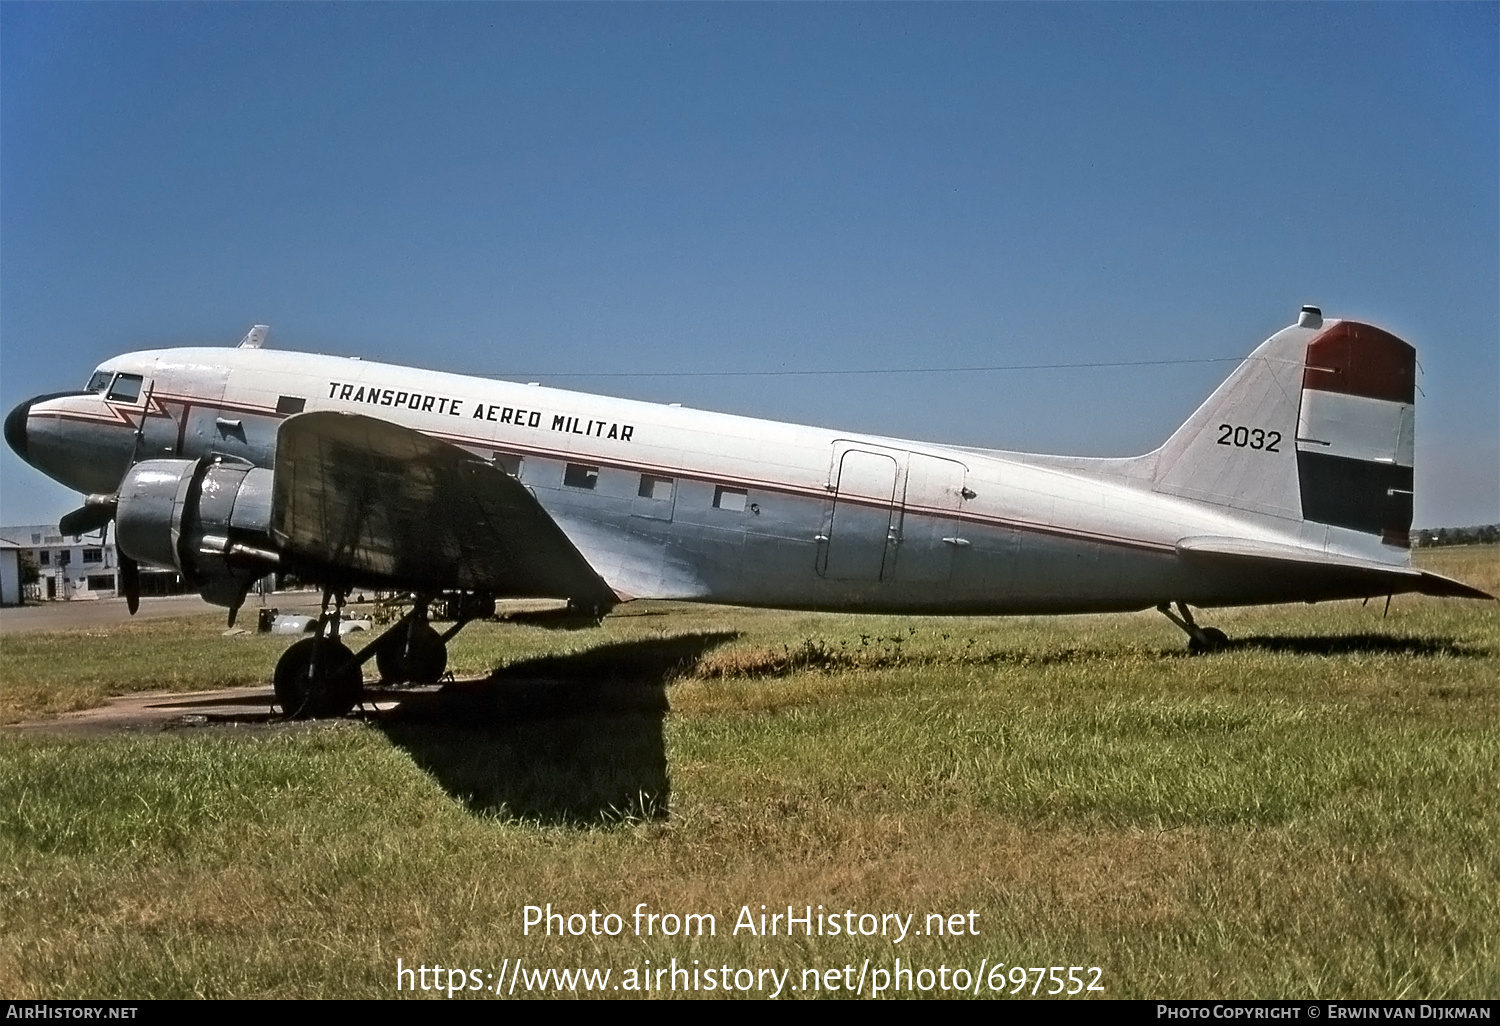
(316, 679)
(1213, 639)
(416, 655)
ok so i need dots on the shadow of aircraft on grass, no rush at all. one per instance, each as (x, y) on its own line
(561, 740)
(1361, 644)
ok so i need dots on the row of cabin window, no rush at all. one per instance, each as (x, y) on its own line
(652, 486)
(580, 475)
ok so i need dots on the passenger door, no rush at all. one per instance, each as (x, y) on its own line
(929, 529)
(860, 541)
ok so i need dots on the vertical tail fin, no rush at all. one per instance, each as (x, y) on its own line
(1315, 425)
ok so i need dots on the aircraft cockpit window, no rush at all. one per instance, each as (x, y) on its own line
(98, 381)
(126, 389)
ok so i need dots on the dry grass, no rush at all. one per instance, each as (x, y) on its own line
(1309, 813)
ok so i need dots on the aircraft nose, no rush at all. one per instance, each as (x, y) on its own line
(15, 427)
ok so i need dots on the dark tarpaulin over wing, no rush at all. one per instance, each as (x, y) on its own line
(364, 501)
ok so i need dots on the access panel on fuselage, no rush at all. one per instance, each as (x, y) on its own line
(860, 535)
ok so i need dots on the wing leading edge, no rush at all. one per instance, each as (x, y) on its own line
(364, 501)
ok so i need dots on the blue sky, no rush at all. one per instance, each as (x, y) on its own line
(553, 191)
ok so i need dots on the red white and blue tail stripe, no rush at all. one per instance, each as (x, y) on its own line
(1354, 431)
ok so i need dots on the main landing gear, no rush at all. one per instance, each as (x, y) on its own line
(1200, 639)
(319, 677)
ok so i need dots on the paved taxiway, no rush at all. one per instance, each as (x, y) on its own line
(82, 613)
(158, 711)
(152, 712)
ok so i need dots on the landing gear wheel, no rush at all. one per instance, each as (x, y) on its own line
(416, 654)
(1213, 640)
(316, 679)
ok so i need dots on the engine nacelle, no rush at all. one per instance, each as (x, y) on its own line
(207, 519)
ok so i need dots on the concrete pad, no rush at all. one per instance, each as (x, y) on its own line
(158, 711)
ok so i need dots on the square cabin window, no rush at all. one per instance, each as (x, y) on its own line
(730, 498)
(509, 462)
(577, 475)
(653, 487)
(290, 404)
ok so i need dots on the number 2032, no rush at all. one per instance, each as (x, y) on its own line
(1249, 438)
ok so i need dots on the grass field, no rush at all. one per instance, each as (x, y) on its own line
(1309, 813)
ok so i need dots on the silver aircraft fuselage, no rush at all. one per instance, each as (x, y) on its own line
(667, 502)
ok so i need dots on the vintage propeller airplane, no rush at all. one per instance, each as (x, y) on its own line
(1292, 482)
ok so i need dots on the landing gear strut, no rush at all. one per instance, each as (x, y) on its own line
(319, 677)
(412, 651)
(1200, 639)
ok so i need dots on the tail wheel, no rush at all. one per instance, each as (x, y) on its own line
(1213, 639)
(317, 678)
(416, 654)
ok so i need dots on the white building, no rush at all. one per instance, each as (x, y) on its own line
(68, 566)
(10, 573)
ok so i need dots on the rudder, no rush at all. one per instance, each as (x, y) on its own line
(1355, 445)
(1316, 424)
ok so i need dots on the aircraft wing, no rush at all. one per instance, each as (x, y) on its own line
(1323, 568)
(362, 501)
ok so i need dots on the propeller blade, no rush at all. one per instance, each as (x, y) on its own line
(130, 582)
(95, 513)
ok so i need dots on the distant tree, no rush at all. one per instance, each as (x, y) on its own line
(30, 572)
(1483, 534)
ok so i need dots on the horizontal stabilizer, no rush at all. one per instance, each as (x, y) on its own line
(1339, 573)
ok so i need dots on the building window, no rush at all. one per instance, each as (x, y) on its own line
(653, 487)
(64, 557)
(578, 475)
(44, 557)
(730, 498)
(93, 555)
(101, 582)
